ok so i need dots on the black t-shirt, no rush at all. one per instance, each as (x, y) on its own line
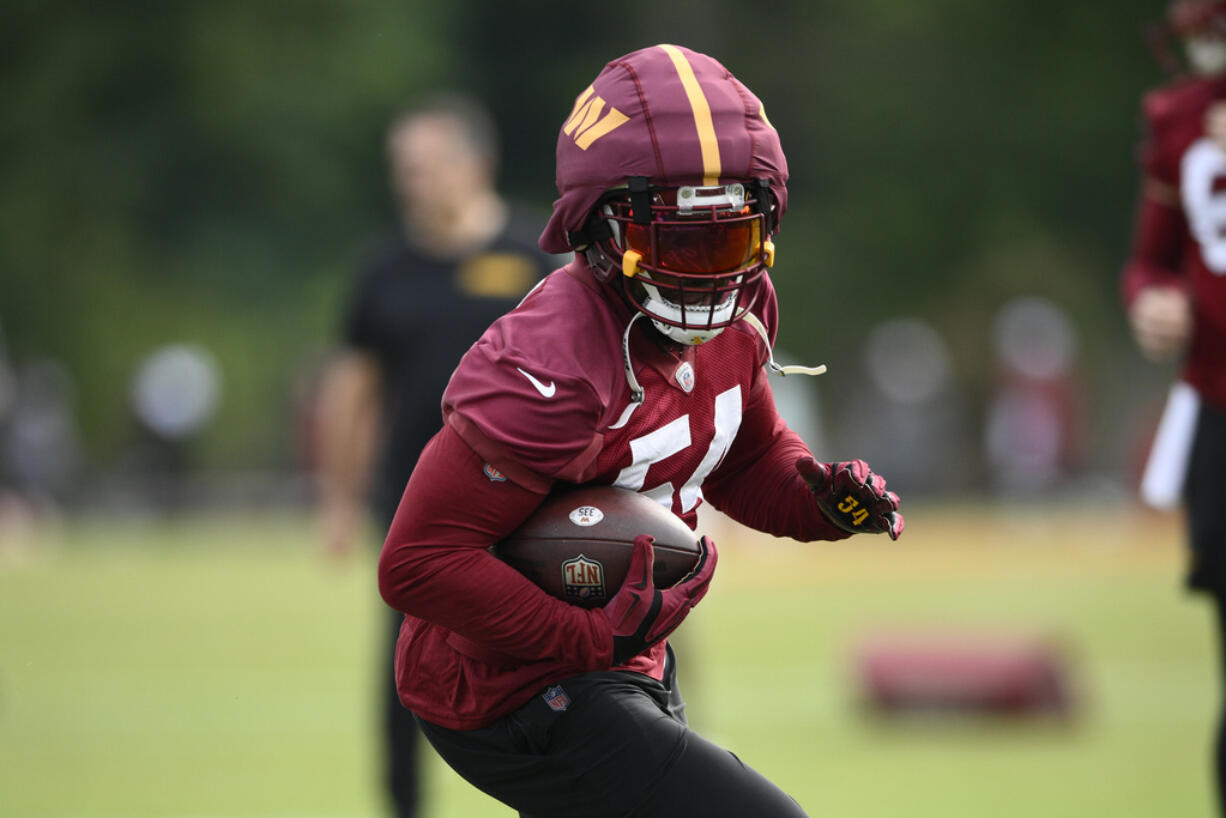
(417, 315)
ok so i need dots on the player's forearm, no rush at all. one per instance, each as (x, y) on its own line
(757, 483)
(1157, 247)
(473, 594)
(348, 426)
(436, 565)
(770, 495)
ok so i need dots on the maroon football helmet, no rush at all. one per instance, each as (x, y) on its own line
(1200, 28)
(1188, 18)
(672, 182)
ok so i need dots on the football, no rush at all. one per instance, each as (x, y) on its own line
(577, 545)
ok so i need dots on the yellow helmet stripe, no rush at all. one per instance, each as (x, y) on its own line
(711, 165)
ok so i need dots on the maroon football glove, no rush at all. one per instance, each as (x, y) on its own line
(852, 497)
(640, 614)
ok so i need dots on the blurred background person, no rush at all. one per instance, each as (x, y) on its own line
(11, 508)
(907, 410)
(1174, 287)
(174, 396)
(42, 450)
(1034, 431)
(457, 261)
(40, 456)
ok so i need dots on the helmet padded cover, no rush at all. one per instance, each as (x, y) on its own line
(659, 135)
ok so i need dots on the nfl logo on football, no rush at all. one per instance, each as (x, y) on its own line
(557, 698)
(583, 578)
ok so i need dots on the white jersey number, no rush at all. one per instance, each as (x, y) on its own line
(1204, 200)
(675, 437)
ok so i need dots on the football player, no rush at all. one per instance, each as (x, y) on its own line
(640, 364)
(457, 258)
(1174, 287)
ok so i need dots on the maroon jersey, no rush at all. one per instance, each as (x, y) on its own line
(544, 397)
(1181, 232)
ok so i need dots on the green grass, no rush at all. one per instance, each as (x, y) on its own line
(223, 667)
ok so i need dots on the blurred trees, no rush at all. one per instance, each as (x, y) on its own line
(208, 172)
(193, 171)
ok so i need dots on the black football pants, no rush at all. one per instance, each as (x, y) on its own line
(619, 748)
(1218, 768)
(400, 736)
(1203, 493)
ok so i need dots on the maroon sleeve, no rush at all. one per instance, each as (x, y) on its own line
(523, 412)
(1158, 243)
(1160, 232)
(1156, 161)
(436, 565)
(757, 483)
(532, 393)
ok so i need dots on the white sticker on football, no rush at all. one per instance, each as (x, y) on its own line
(586, 516)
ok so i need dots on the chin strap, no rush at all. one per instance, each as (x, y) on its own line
(636, 391)
(776, 369)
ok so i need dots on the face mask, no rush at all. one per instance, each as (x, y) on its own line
(1206, 55)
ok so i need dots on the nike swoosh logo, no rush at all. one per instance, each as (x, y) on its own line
(545, 390)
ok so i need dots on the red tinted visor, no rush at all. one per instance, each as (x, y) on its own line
(714, 231)
(705, 247)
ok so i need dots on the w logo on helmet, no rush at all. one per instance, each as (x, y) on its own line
(586, 123)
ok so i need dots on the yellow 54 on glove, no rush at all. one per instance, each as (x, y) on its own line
(852, 497)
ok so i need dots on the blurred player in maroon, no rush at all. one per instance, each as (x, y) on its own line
(640, 364)
(1174, 286)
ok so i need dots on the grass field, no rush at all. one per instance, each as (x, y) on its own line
(222, 667)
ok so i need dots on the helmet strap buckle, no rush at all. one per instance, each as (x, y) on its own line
(640, 198)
